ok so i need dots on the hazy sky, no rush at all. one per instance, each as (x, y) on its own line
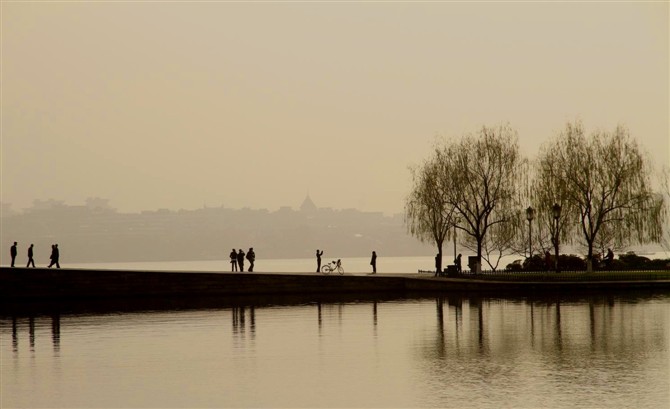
(180, 105)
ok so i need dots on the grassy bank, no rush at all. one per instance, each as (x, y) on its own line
(552, 276)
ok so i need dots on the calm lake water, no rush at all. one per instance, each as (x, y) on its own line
(448, 351)
(352, 265)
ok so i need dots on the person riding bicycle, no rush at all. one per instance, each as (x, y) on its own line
(607, 260)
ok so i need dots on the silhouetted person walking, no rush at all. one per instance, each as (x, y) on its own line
(373, 263)
(457, 263)
(318, 260)
(12, 252)
(55, 255)
(233, 260)
(240, 260)
(251, 256)
(30, 257)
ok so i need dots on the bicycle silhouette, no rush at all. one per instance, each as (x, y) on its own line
(333, 266)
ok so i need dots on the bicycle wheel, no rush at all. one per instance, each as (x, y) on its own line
(340, 270)
(326, 269)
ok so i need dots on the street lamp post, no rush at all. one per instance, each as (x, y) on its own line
(530, 214)
(455, 242)
(556, 211)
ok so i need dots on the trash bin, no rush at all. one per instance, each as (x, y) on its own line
(451, 270)
(474, 263)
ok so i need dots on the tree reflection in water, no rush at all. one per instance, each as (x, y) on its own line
(509, 349)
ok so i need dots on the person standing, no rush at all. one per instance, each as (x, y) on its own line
(251, 256)
(609, 258)
(547, 260)
(240, 260)
(12, 252)
(318, 260)
(233, 260)
(457, 263)
(55, 255)
(373, 262)
(30, 257)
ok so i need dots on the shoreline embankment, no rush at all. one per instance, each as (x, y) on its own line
(24, 284)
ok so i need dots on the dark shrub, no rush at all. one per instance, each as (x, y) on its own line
(615, 265)
(514, 266)
(658, 264)
(535, 263)
(632, 261)
(567, 262)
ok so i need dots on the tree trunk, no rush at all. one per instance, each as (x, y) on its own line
(556, 252)
(438, 259)
(589, 259)
(478, 265)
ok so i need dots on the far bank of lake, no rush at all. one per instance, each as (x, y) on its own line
(352, 265)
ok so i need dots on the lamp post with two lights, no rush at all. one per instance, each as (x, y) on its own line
(556, 212)
(530, 215)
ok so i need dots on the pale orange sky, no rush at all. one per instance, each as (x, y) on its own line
(178, 105)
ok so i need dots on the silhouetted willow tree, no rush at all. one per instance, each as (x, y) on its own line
(473, 184)
(427, 214)
(603, 184)
(481, 176)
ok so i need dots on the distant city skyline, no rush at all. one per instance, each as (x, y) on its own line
(179, 105)
(95, 232)
(306, 202)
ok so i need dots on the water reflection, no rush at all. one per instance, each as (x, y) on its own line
(15, 336)
(488, 319)
(441, 350)
(31, 331)
(374, 313)
(603, 344)
(602, 314)
(55, 332)
(556, 323)
(17, 322)
(239, 318)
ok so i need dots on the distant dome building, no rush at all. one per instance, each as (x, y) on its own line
(308, 205)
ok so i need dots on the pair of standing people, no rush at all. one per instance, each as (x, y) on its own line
(13, 251)
(237, 259)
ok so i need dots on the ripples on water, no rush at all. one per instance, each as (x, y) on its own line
(441, 351)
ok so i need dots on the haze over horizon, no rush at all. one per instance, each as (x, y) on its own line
(180, 105)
